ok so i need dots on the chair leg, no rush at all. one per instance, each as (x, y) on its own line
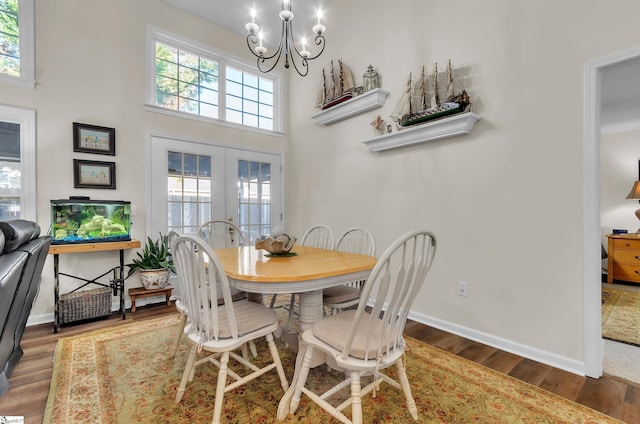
(252, 347)
(292, 307)
(307, 352)
(406, 388)
(276, 359)
(183, 322)
(356, 398)
(222, 382)
(186, 373)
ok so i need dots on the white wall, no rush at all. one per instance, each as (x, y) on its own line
(505, 201)
(90, 69)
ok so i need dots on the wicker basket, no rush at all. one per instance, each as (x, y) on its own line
(87, 304)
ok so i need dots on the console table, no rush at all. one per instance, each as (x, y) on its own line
(116, 283)
(624, 258)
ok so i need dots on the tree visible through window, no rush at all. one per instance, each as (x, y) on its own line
(9, 38)
(186, 82)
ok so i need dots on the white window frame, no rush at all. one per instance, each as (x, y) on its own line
(26, 26)
(155, 34)
(26, 118)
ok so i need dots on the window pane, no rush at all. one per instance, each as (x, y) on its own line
(209, 81)
(174, 188)
(234, 75)
(234, 89)
(250, 120)
(190, 211)
(188, 105)
(208, 110)
(266, 85)
(251, 94)
(208, 96)
(250, 107)
(205, 212)
(168, 69)
(9, 38)
(234, 103)
(265, 111)
(175, 163)
(266, 98)
(209, 66)
(188, 75)
(234, 116)
(190, 164)
(187, 59)
(175, 214)
(204, 166)
(266, 124)
(189, 90)
(265, 172)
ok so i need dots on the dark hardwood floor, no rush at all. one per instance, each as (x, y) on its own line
(30, 380)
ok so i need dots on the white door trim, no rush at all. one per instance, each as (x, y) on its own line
(593, 343)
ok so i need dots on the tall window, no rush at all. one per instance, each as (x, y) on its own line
(17, 164)
(188, 79)
(16, 41)
(188, 191)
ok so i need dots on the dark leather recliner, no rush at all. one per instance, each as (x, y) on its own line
(22, 256)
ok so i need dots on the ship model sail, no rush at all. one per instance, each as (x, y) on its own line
(413, 109)
(337, 85)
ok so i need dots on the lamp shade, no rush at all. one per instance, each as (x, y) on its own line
(635, 191)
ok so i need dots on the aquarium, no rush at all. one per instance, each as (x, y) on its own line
(90, 221)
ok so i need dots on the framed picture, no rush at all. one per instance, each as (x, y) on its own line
(94, 174)
(94, 139)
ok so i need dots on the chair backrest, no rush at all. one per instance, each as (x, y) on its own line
(318, 236)
(220, 234)
(203, 278)
(357, 240)
(171, 236)
(386, 299)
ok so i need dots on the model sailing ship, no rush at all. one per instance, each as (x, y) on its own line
(414, 106)
(337, 86)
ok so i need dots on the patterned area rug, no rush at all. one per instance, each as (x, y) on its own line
(621, 315)
(123, 375)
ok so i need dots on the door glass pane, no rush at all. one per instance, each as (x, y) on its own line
(189, 188)
(10, 171)
(254, 199)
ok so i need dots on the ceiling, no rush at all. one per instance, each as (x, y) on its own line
(234, 15)
(620, 82)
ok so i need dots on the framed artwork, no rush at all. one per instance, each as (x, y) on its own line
(94, 139)
(94, 174)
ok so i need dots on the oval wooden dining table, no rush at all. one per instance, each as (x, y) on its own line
(307, 273)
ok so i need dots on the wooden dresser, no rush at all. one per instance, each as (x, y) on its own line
(624, 258)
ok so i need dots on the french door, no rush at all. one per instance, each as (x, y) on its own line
(192, 183)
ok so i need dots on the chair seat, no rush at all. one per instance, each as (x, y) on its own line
(340, 294)
(333, 331)
(250, 317)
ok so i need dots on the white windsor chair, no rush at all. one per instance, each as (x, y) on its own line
(368, 340)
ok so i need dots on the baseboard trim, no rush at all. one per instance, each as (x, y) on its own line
(548, 358)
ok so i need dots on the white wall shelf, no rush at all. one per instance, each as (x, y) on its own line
(442, 128)
(362, 103)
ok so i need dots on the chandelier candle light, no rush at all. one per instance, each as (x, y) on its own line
(299, 58)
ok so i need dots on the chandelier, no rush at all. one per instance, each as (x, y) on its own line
(299, 58)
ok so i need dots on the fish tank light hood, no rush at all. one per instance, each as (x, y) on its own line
(80, 219)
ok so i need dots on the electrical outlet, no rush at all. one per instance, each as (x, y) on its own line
(463, 288)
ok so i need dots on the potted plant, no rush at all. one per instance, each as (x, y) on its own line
(154, 263)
